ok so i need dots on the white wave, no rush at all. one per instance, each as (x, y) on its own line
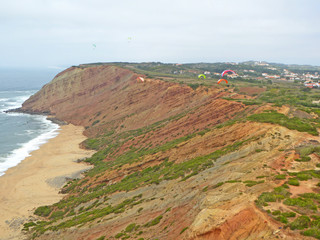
(18, 91)
(29, 131)
(14, 102)
(17, 155)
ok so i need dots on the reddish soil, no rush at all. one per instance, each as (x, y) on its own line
(252, 90)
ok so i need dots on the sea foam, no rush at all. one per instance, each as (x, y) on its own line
(34, 130)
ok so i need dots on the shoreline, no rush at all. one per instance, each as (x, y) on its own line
(24, 149)
(36, 180)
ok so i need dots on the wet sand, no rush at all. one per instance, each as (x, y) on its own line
(37, 180)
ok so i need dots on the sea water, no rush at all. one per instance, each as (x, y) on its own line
(20, 134)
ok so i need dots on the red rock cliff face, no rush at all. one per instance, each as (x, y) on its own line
(76, 93)
(107, 94)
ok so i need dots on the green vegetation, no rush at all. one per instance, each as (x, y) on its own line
(282, 219)
(95, 122)
(43, 211)
(250, 183)
(205, 189)
(293, 182)
(261, 177)
(184, 229)
(312, 233)
(306, 205)
(218, 184)
(26, 226)
(301, 222)
(289, 214)
(131, 227)
(232, 181)
(87, 216)
(119, 235)
(151, 175)
(303, 159)
(131, 156)
(277, 194)
(118, 149)
(194, 86)
(300, 202)
(154, 221)
(303, 176)
(289, 95)
(277, 212)
(101, 238)
(280, 177)
(87, 199)
(290, 123)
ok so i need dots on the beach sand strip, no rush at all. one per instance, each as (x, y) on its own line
(37, 180)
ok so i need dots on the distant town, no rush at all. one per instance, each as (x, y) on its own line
(309, 79)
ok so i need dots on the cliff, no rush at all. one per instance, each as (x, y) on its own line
(84, 96)
(172, 162)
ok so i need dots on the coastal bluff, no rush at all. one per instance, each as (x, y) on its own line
(172, 161)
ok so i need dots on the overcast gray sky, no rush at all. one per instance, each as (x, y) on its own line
(61, 33)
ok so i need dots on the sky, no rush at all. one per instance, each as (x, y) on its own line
(56, 34)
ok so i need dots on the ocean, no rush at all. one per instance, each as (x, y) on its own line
(20, 134)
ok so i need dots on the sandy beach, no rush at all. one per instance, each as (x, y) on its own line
(37, 179)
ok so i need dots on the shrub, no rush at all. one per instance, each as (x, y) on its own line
(154, 221)
(301, 222)
(261, 176)
(282, 191)
(288, 214)
(26, 226)
(300, 202)
(303, 176)
(218, 185)
(311, 195)
(303, 159)
(277, 212)
(168, 209)
(282, 219)
(233, 181)
(101, 238)
(281, 119)
(194, 86)
(95, 122)
(285, 186)
(250, 183)
(56, 214)
(280, 177)
(43, 211)
(130, 227)
(119, 235)
(293, 182)
(183, 230)
(312, 233)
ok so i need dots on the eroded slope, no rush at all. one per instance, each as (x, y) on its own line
(172, 162)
